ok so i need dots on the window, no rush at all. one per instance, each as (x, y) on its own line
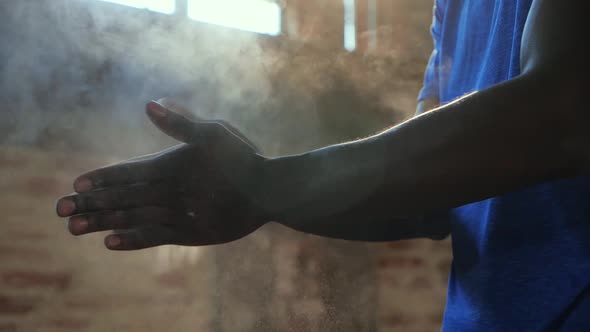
(161, 6)
(349, 25)
(251, 15)
(261, 16)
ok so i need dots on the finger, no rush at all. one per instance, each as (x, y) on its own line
(171, 123)
(120, 219)
(238, 134)
(185, 130)
(178, 108)
(141, 169)
(141, 238)
(155, 155)
(117, 198)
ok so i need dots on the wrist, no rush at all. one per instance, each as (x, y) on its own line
(282, 186)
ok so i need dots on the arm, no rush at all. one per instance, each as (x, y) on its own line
(525, 131)
(216, 188)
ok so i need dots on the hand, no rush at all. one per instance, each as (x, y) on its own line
(203, 192)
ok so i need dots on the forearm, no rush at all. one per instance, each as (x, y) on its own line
(486, 144)
(344, 226)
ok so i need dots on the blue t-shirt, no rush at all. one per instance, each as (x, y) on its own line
(521, 260)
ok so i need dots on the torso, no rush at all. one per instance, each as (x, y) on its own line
(521, 260)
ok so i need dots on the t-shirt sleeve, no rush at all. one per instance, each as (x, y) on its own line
(430, 87)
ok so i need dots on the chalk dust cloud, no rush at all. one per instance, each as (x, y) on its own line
(66, 65)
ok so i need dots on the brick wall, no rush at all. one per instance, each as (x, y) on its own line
(412, 284)
(274, 280)
(396, 26)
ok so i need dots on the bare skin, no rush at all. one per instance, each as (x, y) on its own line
(178, 196)
(394, 185)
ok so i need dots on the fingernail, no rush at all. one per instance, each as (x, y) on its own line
(83, 185)
(157, 110)
(78, 225)
(112, 241)
(65, 207)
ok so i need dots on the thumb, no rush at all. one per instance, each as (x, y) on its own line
(170, 123)
(183, 129)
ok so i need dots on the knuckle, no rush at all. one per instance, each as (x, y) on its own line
(110, 220)
(101, 221)
(225, 126)
(219, 127)
(81, 202)
(214, 130)
(120, 220)
(93, 202)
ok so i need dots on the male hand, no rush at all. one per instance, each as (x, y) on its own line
(205, 191)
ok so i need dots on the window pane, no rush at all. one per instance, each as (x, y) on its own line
(349, 25)
(162, 6)
(250, 15)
